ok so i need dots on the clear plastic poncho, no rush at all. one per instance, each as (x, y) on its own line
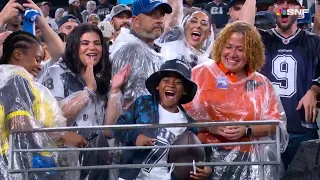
(143, 59)
(25, 104)
(218, 99)
(174, 45)
(86, 110)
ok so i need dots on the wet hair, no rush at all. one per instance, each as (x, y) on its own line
(254, 50)
(102, 71)
(18, 39)
(193, 11)
(75, 11)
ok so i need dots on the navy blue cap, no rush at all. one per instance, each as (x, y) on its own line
(266, 14)
(68, 18)
(306, 19)
(147, 6)
(233, 2)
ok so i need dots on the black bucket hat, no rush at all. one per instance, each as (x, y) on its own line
(183, 70)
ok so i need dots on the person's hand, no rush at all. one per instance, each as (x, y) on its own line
(201, 174)
(74, 139)
(10, 10)
(120, 78)
(31, 5)
(143, 140)
(316, 20)
(218, 130)
(309, 102)
(235, 132)
(229, 132)
(89, 79)
(3, 37)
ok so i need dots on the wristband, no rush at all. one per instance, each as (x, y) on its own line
(92, 95)
(248, 131)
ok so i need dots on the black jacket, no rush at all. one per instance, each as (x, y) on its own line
(306, 163)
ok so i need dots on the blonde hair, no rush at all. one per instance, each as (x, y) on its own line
(254, 50)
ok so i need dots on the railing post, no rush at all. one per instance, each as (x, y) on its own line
(11, 148)
(262, 172)
(26, 176)
(278, 133)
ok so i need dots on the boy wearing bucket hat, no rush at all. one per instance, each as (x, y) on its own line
(170, 87)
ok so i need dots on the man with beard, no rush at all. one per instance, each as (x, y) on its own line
(93, 19)
(137, 48)
(67, 24)
(120, 18)
(292, 65)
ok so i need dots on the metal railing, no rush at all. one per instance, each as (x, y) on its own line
(260, 163)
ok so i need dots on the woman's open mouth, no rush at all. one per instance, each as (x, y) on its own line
(196, 35)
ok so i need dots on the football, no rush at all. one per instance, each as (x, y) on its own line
(185, 155)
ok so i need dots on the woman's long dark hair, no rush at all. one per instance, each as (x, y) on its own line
(75, 11)
(18, 39)
(102, 71)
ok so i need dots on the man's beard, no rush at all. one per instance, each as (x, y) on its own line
(287, 26)
(122, 26)
(148, 35)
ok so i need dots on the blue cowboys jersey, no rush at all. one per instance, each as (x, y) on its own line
(292, 65)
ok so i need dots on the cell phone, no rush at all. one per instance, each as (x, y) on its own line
(21, 1)
(194, 167)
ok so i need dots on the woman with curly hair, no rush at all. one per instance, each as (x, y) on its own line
(231, 89)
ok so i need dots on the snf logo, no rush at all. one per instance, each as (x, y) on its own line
(292, 12)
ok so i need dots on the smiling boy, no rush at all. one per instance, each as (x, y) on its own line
(170, 87)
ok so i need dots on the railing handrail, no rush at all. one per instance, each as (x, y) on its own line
(261, 164)
(148, 126)
(146, 147)
(131, 166)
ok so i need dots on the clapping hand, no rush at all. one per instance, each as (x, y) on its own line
(120, 78)
(88, 77)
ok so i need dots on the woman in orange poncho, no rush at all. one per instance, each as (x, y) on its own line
(231, 89)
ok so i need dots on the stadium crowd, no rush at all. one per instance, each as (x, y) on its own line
(160, 62)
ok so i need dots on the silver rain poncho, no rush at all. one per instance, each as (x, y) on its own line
(26, 104)
(144, 61)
